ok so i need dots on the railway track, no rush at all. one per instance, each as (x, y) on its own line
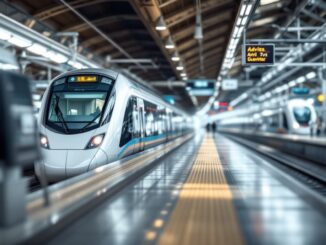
(311, 174)
(33, 183)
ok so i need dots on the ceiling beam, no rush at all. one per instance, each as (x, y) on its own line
(207, 44)
(120, 34)
(217, 21)
(190, 11)
(215, 48)
(54, 10)
(207, 57)
(149, 13)
(193, 42)
(80, 27)
(212, 60)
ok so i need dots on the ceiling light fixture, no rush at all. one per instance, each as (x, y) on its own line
(20, 41)
(198, 28)
(169, 43)
(160, 24)
(4, 35)
(180, 67)
(175, 57)
(38, 49)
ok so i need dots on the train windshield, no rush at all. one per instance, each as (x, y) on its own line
(302, 115)
(76, 107)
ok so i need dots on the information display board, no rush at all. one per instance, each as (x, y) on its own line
(201, 87)
(258, 54)
(229, 84)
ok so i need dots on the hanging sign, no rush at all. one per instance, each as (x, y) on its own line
(229, 84)
(258, 54)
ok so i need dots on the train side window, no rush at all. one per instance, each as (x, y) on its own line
(110, 108)
(127, 126)
(151, 127)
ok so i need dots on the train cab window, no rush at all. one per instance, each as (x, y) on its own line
(302, 115)
(76, 107)
(128, 126)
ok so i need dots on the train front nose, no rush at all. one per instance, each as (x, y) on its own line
(62, 164)
(54, 165)
(79, 161)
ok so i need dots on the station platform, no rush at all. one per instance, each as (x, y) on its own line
(210, 190)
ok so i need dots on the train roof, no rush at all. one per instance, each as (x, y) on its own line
(99, 71)
(114, 74)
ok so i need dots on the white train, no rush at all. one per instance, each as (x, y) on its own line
(92, 117)
(296, 116)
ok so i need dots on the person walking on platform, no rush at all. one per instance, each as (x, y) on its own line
(213, 127)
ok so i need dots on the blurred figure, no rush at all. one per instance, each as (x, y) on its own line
(214, 127)
(208, 127)
(313, 127)
(319, 126)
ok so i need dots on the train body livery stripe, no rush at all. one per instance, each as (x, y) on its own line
(150, 140)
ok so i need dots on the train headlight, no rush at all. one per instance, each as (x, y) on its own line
(44, 141)
(95, 141)
(296, 125)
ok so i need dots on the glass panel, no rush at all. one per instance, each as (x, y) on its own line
(74, 107)
(302, 114)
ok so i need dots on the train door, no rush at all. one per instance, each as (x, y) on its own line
(136, 125)
(166, 124)
(170, 126)
(130, 130)
(140, 106)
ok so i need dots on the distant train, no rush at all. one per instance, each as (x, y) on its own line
(91, 117)
(296, 116)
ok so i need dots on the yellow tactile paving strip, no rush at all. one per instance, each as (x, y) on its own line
(204, 213)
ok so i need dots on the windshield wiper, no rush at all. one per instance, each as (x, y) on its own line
(93, 120)
(58, 112)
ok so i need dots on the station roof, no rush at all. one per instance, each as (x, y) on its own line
(122, 34)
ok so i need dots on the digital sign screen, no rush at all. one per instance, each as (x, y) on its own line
(83, 79)
(256, 54)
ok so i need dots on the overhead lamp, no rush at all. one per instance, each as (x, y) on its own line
(38, 49)
(198, 32)
(4, 34)
(75, 64)
(236, 29)
(175, 57)
(183, 74)
(243, 9)
(292, 84)
(301, 80)
(198, 27)
(8, 67)
(248, 10)
(56, 57)
(265, 2)
(240, 31)
(311, 75)
(160, 24)
(285, 87)
(180, 67)
(244, 20)
(268, 94)
(185, 78)
(239, 21)
(19, 41)
(169, 43)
